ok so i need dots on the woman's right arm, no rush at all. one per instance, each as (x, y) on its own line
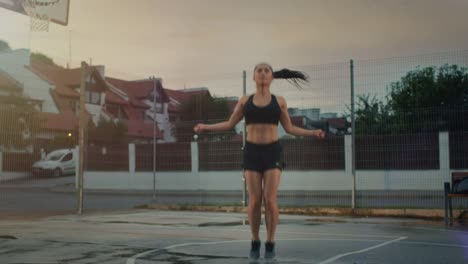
(236, 116)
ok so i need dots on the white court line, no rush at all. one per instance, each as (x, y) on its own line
(132, 260)
(330, 260)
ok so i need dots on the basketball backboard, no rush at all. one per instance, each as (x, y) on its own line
(56, 10)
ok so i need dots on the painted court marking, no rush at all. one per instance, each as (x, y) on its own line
(132, 260)
(330, 260)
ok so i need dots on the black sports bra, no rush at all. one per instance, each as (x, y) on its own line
(269, 114)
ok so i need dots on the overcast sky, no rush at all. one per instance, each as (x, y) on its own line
(182, 41)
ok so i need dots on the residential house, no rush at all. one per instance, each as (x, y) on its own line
(143, 110)
(56, 91)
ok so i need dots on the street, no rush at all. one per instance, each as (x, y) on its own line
(32, 196)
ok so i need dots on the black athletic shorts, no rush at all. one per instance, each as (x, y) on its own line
(262, 157)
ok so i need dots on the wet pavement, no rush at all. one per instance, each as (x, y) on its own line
(150, 236)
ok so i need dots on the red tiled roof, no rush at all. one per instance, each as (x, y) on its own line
(64, 79)
(139, 103)
(66, 91)
(71, 77)
(142, 129)
(133, 114)
(141, 89)
(57, 74)
(61, 77)
(61, 122)
(117, 82)
(126, 87)
(182, 96)
(64, 106)
(115, 99)
(62, 103)
(179, 96)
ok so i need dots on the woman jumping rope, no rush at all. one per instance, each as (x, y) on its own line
(263, 154)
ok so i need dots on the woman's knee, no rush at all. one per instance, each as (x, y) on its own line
(255, 202)
(270, 201)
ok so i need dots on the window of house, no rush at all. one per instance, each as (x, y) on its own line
(116, 111)
(92, 97)
(95, 98)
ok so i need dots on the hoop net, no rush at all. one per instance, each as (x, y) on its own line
(35, 9)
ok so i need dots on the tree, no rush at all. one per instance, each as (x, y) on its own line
(372, 116)
(42, 58)
(431, 99)
(4, 46)
(424, 100)
(20, 119)
(202, 109)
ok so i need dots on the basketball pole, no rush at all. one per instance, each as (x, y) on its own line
(82, 123)
(154, 136)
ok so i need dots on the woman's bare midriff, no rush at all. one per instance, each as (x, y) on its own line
(262, 133)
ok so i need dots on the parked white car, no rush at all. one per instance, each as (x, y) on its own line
(57, 163)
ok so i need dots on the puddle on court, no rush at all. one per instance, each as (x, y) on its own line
(317, 221)
(234, 223)
(7, 237)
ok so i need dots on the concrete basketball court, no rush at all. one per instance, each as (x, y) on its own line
(150, 236)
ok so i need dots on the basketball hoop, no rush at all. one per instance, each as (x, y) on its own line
(37, 11)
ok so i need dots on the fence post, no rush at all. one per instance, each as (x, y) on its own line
(348, 159)
(81, 137)
(43, 154)
(353, 137)
(77, 165)
(194, 155)
(444, 156)
(131, 159)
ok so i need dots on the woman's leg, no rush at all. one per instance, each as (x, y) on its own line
(271, 179)
(254, 185)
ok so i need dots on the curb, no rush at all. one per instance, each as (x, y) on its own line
(426, 214)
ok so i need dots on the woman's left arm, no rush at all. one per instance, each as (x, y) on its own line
(292, 129)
